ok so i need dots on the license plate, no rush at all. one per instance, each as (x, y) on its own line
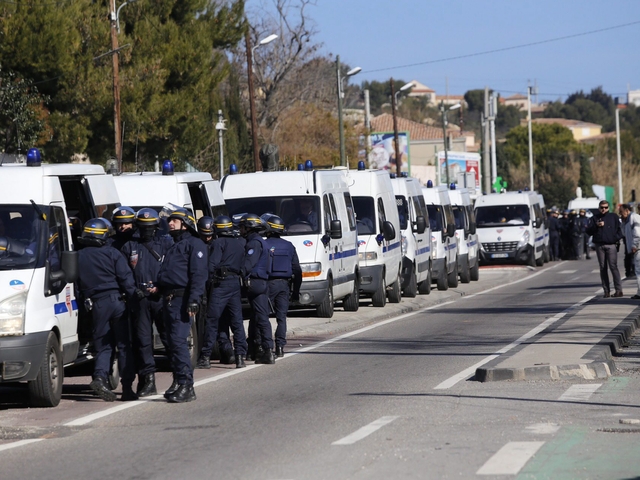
(499, 255)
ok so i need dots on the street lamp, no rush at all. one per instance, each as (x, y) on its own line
(444, 111)
(394, 108)
(252, 100)
(350, 73)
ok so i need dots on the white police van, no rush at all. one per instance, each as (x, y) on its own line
(40, 327)
(416, 235)
(468, 245)
(510, 228)
(443, 235)
(379, 246)
(316, 208)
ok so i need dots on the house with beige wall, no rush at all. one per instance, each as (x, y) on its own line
(579, 129)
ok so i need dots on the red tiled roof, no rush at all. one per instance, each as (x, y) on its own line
(417, 131)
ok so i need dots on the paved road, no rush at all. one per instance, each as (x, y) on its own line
(393, 399)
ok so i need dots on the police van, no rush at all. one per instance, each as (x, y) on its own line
(443, 235)
(416, 235)
(316, 208)
(510, 228)
(41, 330)
(379, 245)
(468, 258)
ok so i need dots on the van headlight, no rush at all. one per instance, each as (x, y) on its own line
(404, 244)
(12, 314)
(311, 269)
(525, 239)
(367, 256)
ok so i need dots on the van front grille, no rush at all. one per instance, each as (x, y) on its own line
(493, 247)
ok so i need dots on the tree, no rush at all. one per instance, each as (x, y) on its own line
(475, 100)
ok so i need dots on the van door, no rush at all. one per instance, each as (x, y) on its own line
(102, 193)
(339, 248)
(215, 199)
(334, 247)
(450, 242)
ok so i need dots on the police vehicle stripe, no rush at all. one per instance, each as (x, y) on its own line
(344, 254)
(393, 246)
(451, 246)
(59, 308)
(423, 250)
(539, 238)
(473, 243)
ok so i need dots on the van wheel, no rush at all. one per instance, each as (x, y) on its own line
(379, 298)
(325, 309)
(351, 302)
(465, 272)
(395, 293)
(531, 261)
(540, 261)
(545, 254)
(412, 288)
(453, 276)
(442, 282)
(114, 371)
(46, 389)
(475, 271)
(192, 344)
(424, 287)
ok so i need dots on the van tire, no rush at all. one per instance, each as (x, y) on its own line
(424, 287)
(531, 261)
(379, 297)
(411, 289)
(395, 292)
(475, 271)
(453, 276)
(540, 261)
(465, 272)
(545, 254)
(325, 309)
(46, 389)
(442, 282)
(351, 302)
(192, 344)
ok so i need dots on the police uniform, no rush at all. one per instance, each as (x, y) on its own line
(554, 236)
(181, 280)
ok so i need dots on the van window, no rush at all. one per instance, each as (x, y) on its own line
(459, 216)
(420, 207)
(351, 215)
(365, 215)
(57, 242)
(382, 216)
(403, 211)
(448, 215)
(200, 207)
(470, 215)
(21, 237)
(498, 215)
(436, 217)
(300, 214)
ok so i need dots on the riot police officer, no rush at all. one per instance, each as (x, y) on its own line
(285, 276)
(123, 219)
(205, 230)
(554, 235)
(256, 276)
(181, 283)
(104, 277)
(145, 253)
(225, 264)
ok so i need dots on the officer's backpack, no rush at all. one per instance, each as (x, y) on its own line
(279, 263)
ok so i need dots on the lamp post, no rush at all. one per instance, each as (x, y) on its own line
(252, 100)
(114, 17)
(620, 193)
(444, 111)
(529, 91)
(394, 110)
(350, 73)
(220, 127)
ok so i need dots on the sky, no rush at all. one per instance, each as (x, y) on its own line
(383, 37)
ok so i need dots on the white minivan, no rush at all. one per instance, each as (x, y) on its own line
(510, 228)
(41, 330)
(443, 235)
(468, 258)
(416, 235)
(379, 249)
(319, 219)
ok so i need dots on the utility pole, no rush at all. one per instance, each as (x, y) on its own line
(343, 160)
(220, 127)
(618, 152)
(395, 128)
(367, 123)
(252, 103)
(485, 140)
(529, 88)
(493, 111)
(116, 82)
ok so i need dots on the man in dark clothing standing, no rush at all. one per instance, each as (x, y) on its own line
(554, 235)
(585, 236)
(607, 232)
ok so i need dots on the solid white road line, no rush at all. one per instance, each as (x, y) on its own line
(510, 459)
(19, 443)
(468, 372)
(542, 428)
(365, 431)
(579, 393)
(567, 272)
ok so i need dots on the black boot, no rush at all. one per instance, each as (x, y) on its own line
(128, 394)
(279, 351)
(240, 361)
(184, 393)
(203, 362)
(267, 357)
(100, 387)
(172, 389)
(147, 387)
(227, 357)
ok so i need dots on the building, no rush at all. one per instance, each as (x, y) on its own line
(451, 100)
(580, 129)
(421, 90)
(518, 100)
(633, 97)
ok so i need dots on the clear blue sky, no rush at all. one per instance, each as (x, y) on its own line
(377, 34)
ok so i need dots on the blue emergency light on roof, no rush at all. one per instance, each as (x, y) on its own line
(452, 186)
(233, 169)
(167, 167)
(392, 175)
(404, 174)
(308, 165)
(361, 165)
(526, 189)
(300, 167)
(33, 158)
(429, 184)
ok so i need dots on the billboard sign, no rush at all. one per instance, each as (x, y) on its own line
(459, 162)
(383, 156)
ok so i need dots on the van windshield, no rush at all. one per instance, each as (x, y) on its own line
(500, 215)
(365, 215)
(458, 214)
(301, 214)
(435, 217)
(20, 237)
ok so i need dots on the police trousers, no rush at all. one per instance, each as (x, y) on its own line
(147, 312)
(225, 295)
(178, 324)
(259, 324)
(279, 296)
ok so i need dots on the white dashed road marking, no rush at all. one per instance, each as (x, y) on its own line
(510, 459)
(543, 428)
(540, 293)
(365, 431)
(567, 272)
(579, 393)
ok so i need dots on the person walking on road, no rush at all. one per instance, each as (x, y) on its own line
(607, 233)
(554, 235)
(631, 227)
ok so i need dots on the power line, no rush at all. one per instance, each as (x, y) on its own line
(504, 49)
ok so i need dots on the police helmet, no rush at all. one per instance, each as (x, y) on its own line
(205, 226)
(123, 215)
(96, 231)
(251, 221)
(275, 224)
(170, 211)
(223, 225)
(147, 217)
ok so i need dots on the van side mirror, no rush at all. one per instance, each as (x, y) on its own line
(420, 224)
(388, 231)
(451, 230)
(472, 228)
(69, 270)
(537, 223)
(336, 229)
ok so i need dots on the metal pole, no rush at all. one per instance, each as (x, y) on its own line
(485, 141)
(343, 161)
(530, 139)
(220, 130)
(367, 123)
(444, 137)
(116, 82)
(620, 196)
(395, 128)
(492, 122)
(252, 104)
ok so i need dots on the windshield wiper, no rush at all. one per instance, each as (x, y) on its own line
(40, 213)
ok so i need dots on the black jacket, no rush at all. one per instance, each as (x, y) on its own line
(610, 233)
